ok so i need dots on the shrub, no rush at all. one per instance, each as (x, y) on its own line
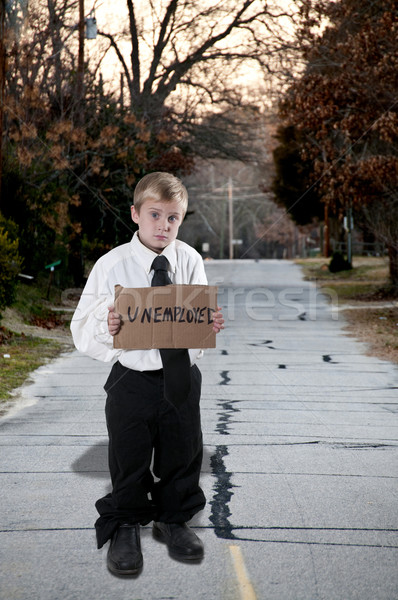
(10, 262)
(339, 263)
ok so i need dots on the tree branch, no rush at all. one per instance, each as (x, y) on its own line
(173, 74)
(135, 53)
(120, 57)
(160, 46)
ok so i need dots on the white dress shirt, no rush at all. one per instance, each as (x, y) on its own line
(128, 265)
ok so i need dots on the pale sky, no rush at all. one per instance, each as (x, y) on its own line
(112, 17)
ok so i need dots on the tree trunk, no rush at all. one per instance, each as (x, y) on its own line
(393, 256)
(2, 80)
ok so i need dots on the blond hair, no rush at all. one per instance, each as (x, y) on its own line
(160, 187)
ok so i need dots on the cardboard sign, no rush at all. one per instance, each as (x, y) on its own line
(170, 316)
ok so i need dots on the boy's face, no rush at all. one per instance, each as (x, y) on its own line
(158, 223)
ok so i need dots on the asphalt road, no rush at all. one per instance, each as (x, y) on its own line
(300, 470)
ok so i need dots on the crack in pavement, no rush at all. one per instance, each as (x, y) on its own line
(220, 511)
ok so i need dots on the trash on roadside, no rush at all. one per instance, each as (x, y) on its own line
(6, 355)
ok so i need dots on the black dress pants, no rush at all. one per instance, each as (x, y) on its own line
(155, 452)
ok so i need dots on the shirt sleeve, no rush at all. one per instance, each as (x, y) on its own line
(198, 274)
(89, 325)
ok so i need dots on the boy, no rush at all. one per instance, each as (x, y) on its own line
(149, 409)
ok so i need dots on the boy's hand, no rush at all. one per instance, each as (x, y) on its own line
(218, 321)
(114, 321)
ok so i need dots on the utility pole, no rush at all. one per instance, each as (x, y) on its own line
(231, 219)
(121, 90)
(348, 228)
(326, 234)
(80, 66)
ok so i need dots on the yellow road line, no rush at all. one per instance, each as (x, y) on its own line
(246, 589)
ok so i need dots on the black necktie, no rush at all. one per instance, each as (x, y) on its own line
(176, 362)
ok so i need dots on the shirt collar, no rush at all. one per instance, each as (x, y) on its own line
(146, 256)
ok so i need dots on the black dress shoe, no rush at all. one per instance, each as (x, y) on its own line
(124, 554)
(182, 542)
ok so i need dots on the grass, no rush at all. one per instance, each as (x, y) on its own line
(19, 356)
(365, 288)
(378, 328)
(34, 308)
(369, 274)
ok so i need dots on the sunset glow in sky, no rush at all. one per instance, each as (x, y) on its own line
(112, 17)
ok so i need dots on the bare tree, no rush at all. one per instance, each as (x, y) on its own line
(228, 207)
(187, 57)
